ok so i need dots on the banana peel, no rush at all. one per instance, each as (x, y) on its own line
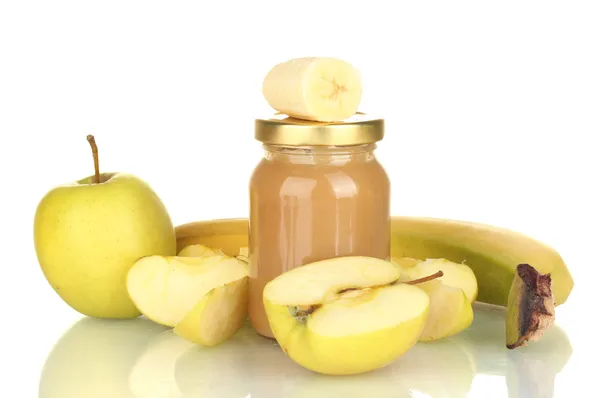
(530, 311)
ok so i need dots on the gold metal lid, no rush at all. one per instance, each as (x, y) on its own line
(284, 130)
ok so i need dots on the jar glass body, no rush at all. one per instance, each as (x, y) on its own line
(313, 203)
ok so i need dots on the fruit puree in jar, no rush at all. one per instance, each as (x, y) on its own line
(310, 200)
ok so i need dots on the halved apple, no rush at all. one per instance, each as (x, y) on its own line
(166, 288)
(199, 251)
(216, 317)
(345, 315)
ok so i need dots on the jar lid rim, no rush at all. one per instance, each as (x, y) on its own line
(285, 130)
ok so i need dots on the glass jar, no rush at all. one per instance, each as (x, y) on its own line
(317, 193)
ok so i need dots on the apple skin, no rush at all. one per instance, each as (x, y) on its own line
(87, 236)
(346, 355)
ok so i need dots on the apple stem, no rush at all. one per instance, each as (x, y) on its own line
(92, 142)
(428, 278)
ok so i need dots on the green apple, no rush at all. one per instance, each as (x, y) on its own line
(345, 315)
(88, 234)
(451, 295)
(439, 369)
(217, 316)
(455, 274)
(450, 311)
(166, 289)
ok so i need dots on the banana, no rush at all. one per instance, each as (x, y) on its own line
(492, 253)
(228, 235)
(313, 88)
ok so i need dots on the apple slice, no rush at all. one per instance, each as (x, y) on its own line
(345, 315)
(455, 274)
(217, 316)
(450, 310)
(199, 251)
(166, 288)
(405, 262)
(450, 296)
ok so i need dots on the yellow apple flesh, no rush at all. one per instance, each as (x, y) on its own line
(450, 312)
(326, 328)
(451, 295)
(455, 275)
(199, 251)
(166, 288)
(87, 236)
(217, 316)
(405, 262)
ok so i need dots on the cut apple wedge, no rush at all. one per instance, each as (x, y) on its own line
(345, 315)
(199, 251)
(455, 274)
(166, 288)
(450, 311)
(217, 316)
(451, 295)
(405, 262)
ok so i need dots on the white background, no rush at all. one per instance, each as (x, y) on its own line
(492, 110)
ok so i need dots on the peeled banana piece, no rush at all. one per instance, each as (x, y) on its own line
(492, 253)
(314, 88)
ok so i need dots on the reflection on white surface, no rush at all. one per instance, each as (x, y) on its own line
(529, 372)
(138, 358)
